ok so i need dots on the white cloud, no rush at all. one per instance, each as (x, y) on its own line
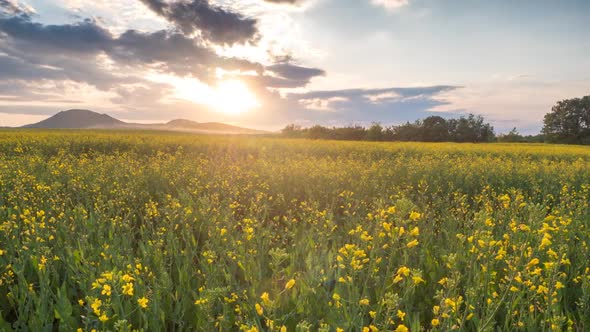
(391, 5)
(322, 104)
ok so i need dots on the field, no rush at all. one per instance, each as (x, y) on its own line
(126, 231)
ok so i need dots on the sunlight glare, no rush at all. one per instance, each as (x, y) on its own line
(233, 97)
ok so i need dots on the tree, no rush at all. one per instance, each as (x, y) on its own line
(568, 121)
(512, 136)
(291, 130)
(435, 129)
(375, 132)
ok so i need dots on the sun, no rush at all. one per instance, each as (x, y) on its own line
(232, 97)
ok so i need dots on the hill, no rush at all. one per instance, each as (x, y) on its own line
(86, 119)
(78, 119)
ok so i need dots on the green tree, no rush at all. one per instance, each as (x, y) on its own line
(375, 132)
(435, 129)
(568, 122)
(512, 136)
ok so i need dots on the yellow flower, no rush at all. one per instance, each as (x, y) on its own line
(336, 297)
(401, 315)
(283, 328)
(364, 302)
(412, 243)
(96, 306)
(290, 284)
(559, 285)
(533, 262)
(435, 322)
(103, 318)
(415, 231)
(128, 289)
(417, 280)
(265, 298)
(106, 290)
(404, 270)
(546, 241)
(259, 309)
(435, 309)
(127, 278)
(81, 302)
(415, 216)
(79, 330)
(201, 301)
(401, 328)
(143, 302)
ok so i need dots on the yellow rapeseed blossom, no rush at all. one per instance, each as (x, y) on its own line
(265, 298)
(96, 304)
(259, 309)
(290, 284)
(143, 302)
(128, 289)
(106, 290)
(401, 328)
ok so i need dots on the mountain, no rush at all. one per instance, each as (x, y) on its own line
(85, 119)
(78, 119)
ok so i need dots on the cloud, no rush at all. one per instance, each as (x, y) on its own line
(286, 75)
(351, 106)
(71, 51)
(390, 5)
(10, 7)
(82, 37)
(326, 104)
(293, 72)
(290, 2)
(214, 23)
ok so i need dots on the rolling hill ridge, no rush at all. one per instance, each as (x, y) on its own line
(86, 119)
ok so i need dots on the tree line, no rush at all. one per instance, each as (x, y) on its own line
(469, 128)
(568, 122)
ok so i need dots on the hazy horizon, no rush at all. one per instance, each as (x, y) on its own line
(264, 64)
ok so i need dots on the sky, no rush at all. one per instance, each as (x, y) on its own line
(268, 63)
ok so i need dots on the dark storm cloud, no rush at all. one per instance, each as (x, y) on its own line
(216, 24)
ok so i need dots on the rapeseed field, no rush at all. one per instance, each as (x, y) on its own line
(148, 231)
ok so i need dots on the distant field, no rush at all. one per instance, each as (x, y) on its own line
(160, 231)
